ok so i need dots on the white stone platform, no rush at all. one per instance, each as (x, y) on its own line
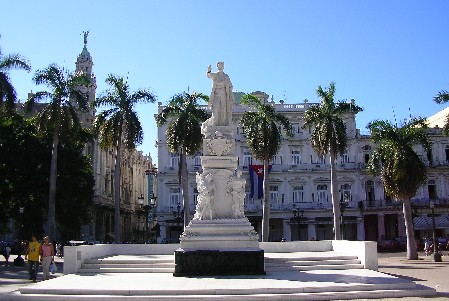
(278, 284)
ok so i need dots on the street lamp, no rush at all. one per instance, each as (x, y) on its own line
(178, 217)
(343, 206)
(298, 219)
(140, 200)
(436, 257)
(19, 261)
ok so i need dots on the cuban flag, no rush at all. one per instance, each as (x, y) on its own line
(256, 179)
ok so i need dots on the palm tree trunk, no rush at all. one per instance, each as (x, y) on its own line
(266, 203)
(185, 186)
(412, 254)
(51, 216)
(117, 176)
(335, 196)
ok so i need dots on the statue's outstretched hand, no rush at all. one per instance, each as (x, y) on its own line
(209, 69)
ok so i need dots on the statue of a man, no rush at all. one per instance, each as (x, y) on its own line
(86, 33)
(221, 99)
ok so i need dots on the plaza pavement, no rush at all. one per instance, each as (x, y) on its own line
(424, 272)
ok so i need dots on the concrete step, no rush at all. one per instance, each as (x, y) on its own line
(126, 270)
(302, 262)
(330, 295)
(127, 265)
(327, 256)
(223, 289)
(128, 261)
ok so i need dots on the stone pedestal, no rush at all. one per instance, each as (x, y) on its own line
(219, 262)
(219, 240)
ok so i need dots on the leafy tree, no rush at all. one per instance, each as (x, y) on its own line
(401, 169)
(59, 117)
(440, 98)
(184, 134)
(263, 135)
(329, 136)
(120, 126)
(23, 176)
(7, 91)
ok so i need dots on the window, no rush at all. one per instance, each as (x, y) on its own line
(366, 158)
(369, 190)
(195, 196)
(174, 197)
(174, 160)
(344, 159)
(276, 160)
(432, 188)
(197, 159)
(274, 195)
(298, 194)
(296, 157)
(247, 158)
(321, 193)
(248, 199)
(296, 128)
(345, 193)
(429, 156)
(446, 152)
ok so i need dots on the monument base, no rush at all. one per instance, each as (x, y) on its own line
(219, 262)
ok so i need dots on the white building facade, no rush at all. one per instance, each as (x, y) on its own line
(136, 178)
(300, 192)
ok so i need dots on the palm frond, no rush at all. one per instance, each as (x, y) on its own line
(14, 61)
(441, 97)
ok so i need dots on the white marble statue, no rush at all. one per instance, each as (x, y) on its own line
(206, 189)
(236, 188)
(221, 98)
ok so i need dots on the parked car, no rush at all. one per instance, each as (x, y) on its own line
(388, 245)
(401, 243)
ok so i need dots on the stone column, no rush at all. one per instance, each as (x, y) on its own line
(311, 229)
(360, 229)
(287, 233)
(381, 226)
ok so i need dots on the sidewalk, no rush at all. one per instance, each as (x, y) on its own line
(423, 271)
(12, 278)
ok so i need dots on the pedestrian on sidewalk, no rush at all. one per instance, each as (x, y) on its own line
(6, 253)
(33, 252)
(47, 256)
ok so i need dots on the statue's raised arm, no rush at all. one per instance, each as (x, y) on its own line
(221, 99)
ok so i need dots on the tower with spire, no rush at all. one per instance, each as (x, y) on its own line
(84, 66)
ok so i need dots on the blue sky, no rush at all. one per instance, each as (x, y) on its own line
(387, 55)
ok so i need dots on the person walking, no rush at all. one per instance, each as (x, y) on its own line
(47, 257)
(33, 252)
(7, 253)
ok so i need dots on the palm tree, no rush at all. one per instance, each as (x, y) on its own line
(184, 134)
(120, 126)
(329, 136)
(262, 128)
(443, 97)
(59, 117)
(401, 169)
(7, 91)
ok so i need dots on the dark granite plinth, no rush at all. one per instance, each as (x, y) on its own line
(216, 262)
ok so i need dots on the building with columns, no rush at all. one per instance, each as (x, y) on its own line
(300, 189)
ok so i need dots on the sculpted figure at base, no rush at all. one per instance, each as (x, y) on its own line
(221, 98)
(206, 189)
(236, 189)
